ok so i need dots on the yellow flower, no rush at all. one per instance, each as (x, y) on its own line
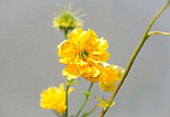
(109, 76)
(82, 53)
(54, 98)
(66, 19)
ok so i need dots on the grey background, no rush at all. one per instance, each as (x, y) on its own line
(29, 64)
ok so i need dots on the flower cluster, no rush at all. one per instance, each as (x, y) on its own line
(86, 55)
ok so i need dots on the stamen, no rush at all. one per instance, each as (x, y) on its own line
(84, 54)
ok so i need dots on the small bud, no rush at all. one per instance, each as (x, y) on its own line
(66, 19)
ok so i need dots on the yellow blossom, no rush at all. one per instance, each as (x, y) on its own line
(82, 53)
(54, 98)
(109, 76)
(66, 19)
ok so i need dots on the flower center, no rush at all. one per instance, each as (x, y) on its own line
(84, 54)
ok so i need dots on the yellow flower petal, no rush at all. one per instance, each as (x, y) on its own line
(102, 46)
(109, 76)
(120, 71)
(61, 87)
(103, 57)
(71, 72)
(70, 90)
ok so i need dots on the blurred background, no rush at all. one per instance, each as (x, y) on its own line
(29, 63)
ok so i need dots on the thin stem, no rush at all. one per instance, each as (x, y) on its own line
(131, 61)
(85, 101)
(67, 88)
(67, 84)
(65, 33)
(158, 33)
(156, 17)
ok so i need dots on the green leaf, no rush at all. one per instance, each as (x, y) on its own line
(104, 103)
(69, 82)
(85, 93)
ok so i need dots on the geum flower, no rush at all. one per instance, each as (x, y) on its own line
(54, 98)
(109, 76)
(83, 53)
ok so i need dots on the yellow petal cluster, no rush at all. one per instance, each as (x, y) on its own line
(109, 77)
(83, 53)
(54, 98)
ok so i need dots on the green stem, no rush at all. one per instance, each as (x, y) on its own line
(67, 88)
(131, 61)
(65, 33)
(67, 82)
(158, 33)
(85, 101)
